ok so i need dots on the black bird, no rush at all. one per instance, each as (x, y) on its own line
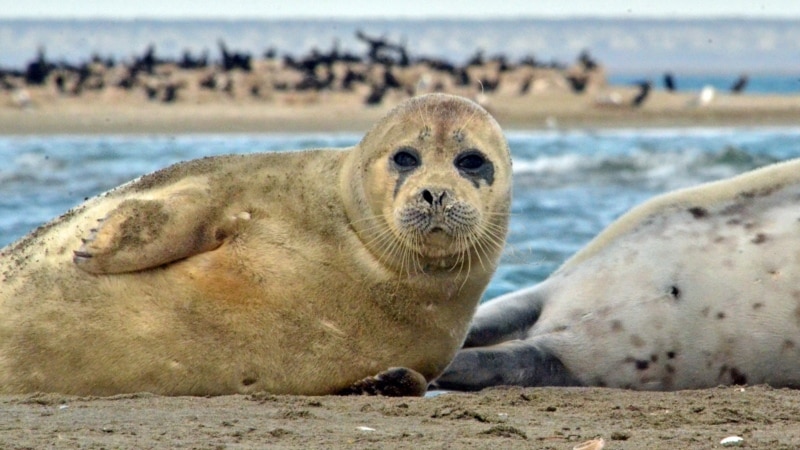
(37, 70)
(375, 96)
(578, 83)
(170, 93)
(587, 61)
(462, 77)
(644, 91)
(669, 82)
(740, 84)
(526, 85)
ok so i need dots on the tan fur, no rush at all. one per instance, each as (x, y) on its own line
(283, 272)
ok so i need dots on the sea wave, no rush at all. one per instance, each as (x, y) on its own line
(651, 159)
(567, 185)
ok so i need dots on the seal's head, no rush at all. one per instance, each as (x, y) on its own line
(432, 184)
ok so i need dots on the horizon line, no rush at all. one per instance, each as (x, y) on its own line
(629, 16)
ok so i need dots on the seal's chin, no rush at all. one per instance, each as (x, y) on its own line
(437, 243)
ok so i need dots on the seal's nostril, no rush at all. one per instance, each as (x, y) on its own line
(427, 196)
(441, 197)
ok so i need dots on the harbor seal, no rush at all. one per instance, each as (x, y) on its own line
(692, 289)
(312, 272)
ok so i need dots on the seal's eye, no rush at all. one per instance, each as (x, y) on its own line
(470, 161)
(406, 158)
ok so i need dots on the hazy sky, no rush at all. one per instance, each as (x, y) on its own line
(323, 9)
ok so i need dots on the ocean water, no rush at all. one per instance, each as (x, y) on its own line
(567, 185)
(628, 48)
(756, 84)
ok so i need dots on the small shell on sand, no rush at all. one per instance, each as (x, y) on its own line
(594, 444)
(731, 441)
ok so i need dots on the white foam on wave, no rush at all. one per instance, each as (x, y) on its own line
(655, 132)
(650, 169)
(566, 163)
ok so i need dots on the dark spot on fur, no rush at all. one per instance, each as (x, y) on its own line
(732, 209)
(675, 292)
(475, 166)
(720, 315)
(669, 368)
(671, 355)
(705, 311)
(637, 341)
(202, 166)
(747, 194)
(404, 167)
(759, 239)
(143, 223)
(616, 326)
(788, 344)
(697, 212)
(560, 328)
(425, 133)
(249, 381)
(760, 192)
(642, 364)
(738, 377)
(758, 305)
(654, 358)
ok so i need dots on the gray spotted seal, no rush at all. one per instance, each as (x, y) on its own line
(313, 272)
(695, 288)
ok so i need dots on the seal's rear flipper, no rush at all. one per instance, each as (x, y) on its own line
(143, 234)
(395, 382)
(519, 363)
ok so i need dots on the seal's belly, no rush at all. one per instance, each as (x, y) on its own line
(695, 306)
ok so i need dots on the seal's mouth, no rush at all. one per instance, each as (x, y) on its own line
(436, 223)
(436, 234)
(436, 230)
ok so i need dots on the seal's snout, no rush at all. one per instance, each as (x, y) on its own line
(435, 197)
(437, 213)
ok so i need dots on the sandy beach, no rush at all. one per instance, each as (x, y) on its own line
(547, 418)
(499, 418)
(107, 112)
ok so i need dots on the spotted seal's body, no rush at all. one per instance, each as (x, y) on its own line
(300, 272)
(693, 289)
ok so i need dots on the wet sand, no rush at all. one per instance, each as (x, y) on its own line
(548, 418)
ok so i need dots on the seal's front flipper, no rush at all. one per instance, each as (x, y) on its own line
(507, 317)
(395, 382)
(518, 363)
(142, 234)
